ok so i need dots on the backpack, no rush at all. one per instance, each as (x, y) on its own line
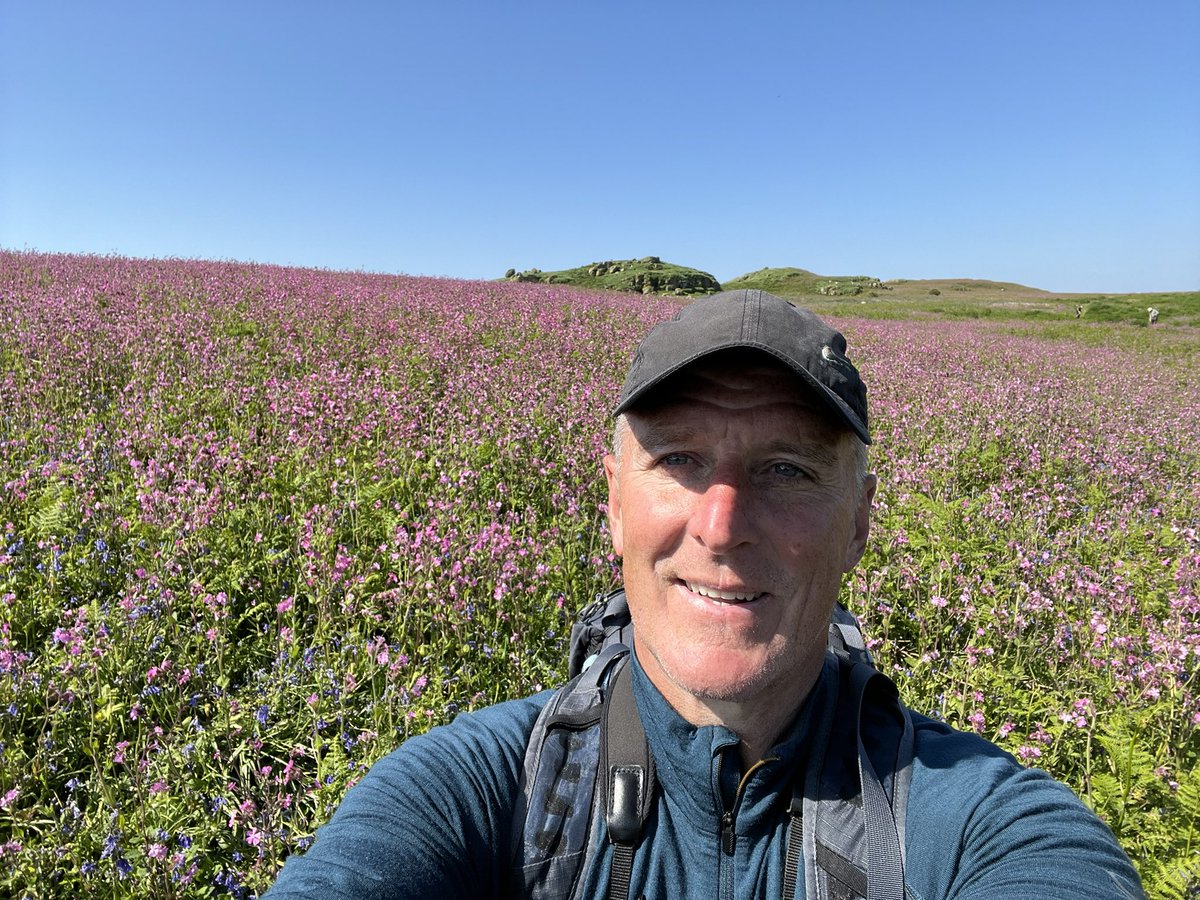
(588, 761)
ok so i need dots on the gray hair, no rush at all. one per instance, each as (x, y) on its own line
(620, 426)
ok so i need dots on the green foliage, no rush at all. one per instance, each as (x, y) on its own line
(254, 537)
(1174, 309)
(649, 275)
(1169, 858)
(792, 282)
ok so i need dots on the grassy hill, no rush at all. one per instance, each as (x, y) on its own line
(790, 282)
(866, 296)
(649, 275)
(964, 298)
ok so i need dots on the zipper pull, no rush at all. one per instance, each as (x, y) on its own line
(728, 838)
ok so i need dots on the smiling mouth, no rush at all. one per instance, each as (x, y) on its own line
(712, 593)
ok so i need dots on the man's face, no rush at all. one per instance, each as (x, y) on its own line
(737, 507)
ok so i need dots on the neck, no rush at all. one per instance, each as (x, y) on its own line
(757, 719)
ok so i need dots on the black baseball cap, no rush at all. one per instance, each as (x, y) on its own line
(753, 320)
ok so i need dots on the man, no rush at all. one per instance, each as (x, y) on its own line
(738, 498)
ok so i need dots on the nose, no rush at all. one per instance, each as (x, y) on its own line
(721, 518)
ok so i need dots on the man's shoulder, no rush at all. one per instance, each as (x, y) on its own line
(965, 765)
(940, 745)
(477, 755)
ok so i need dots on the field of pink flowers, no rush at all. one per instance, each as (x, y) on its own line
(260, 524)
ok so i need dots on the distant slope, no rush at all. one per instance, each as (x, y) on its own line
(964, 286)
(790, 282)
(869, 297)
(648, 275)
(973, 298)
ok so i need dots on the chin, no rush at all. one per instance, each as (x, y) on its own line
(724, 676)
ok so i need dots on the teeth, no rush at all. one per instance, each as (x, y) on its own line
(714, 594)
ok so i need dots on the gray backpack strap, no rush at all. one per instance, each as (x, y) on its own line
(587, 761)
(885, 853)
(846, 638)
(847, 813)
(552, 822)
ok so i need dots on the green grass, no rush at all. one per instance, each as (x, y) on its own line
(791, 282)
(867, 297)
(648, 275)
(904, 302)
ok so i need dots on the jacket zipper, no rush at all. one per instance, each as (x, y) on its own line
(728, 836)
(728, 821)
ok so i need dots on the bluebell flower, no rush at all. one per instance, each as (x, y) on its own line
(110, 844)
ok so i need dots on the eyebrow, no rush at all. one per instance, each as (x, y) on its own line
(652, 437)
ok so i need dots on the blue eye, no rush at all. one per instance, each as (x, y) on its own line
(787, 470)
(675, 459)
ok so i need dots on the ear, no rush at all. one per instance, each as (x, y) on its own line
(613, 475)
(862, 523)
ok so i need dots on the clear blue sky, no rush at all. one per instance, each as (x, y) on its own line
(1052, 142)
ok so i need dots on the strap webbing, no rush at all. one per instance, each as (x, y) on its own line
(629, 777)
(795, 843)
(621, 872)
(885, 862)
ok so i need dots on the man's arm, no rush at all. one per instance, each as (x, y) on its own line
(432, 819)
(983, 827)
(1034, 838)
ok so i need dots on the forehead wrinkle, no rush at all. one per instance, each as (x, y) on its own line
(820, 445)
(650, 433)
(816, 451)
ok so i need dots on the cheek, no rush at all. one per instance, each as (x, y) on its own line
(651, 518)
(819, 546)
(638, 544)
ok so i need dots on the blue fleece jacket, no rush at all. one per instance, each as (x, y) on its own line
(435, 819)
